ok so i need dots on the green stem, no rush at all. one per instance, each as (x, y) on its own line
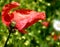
(7, 40)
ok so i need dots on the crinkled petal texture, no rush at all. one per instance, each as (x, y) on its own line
(23, 17)
(6, 17)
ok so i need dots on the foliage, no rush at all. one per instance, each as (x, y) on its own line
(38, 35)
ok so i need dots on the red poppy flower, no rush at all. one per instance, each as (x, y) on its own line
(23, 17)
(45, 23)
(55, 37)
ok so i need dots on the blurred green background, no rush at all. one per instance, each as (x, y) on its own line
(38, 35)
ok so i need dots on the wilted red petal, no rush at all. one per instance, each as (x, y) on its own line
(8, 7)
(21, 24)
(23, 17)
(22, 31)
(24, 11)
(26, 18)
(45, 23)
(6, 17)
